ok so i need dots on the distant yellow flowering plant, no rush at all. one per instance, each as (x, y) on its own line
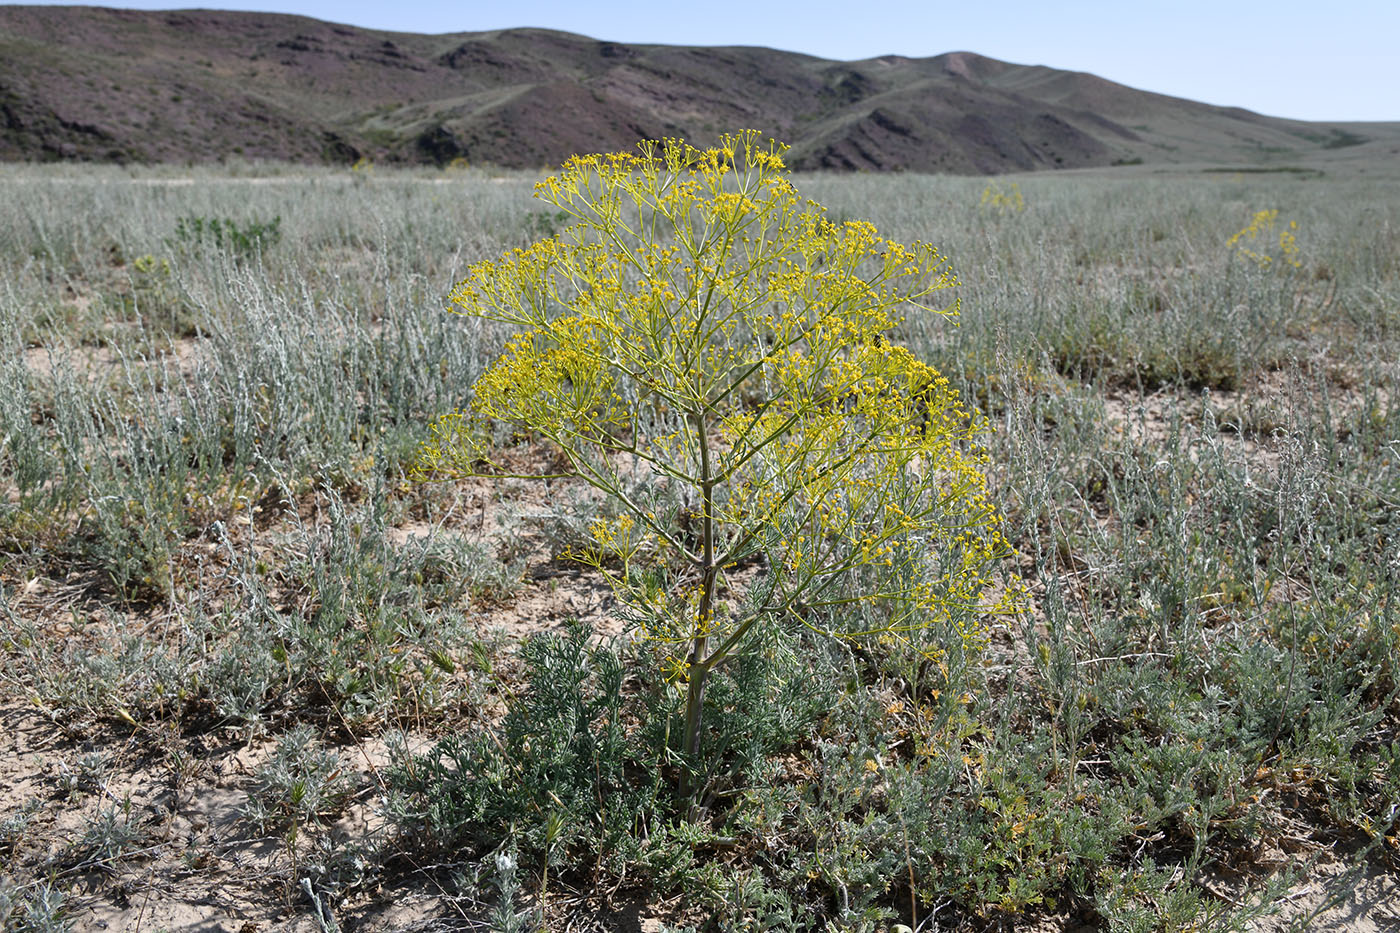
(1258, 244)
(710, 351)
(1003, 200)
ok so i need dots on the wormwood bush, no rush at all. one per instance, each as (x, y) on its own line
(38, 908)
(701, 324)
(299, 786)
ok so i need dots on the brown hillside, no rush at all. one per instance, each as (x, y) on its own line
(120, 85)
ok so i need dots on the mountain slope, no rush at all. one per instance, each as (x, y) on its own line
(198, 85)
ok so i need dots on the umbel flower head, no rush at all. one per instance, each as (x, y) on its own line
(715, 355)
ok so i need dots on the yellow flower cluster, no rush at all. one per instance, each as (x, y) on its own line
(554, 379)
(1253, 242)
(1003, 200)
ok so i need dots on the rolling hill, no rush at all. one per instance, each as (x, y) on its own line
(88, 83)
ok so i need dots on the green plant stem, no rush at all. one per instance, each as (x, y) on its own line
(699, 669)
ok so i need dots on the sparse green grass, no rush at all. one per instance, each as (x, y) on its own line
(204, 551)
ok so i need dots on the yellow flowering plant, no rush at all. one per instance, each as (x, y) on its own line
(1002, 200)
(707, 349)
(1255, 242)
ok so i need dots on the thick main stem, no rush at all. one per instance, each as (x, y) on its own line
(698, 669)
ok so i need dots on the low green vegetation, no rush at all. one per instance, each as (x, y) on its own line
(239, 646)
(225, 235)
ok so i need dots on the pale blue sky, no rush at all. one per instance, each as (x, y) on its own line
(1309, 60)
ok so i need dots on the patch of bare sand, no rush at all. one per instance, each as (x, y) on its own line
(1333, 899)
(46, 362)
(550, 596)
(1249, 424)
(197, 864)
(183, 357)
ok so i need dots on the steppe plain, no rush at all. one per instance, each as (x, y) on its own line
(229, 622)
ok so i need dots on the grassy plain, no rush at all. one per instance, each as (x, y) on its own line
(252, 677)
